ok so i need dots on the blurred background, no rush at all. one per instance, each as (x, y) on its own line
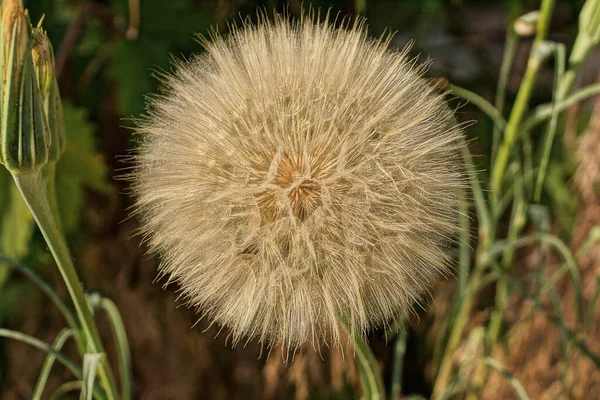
(107, 53)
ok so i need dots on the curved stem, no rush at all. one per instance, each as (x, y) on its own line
(30, 340)
(544, 111)
(65, 388)
(59, 342)
(32, 188)
(123, 351)
(44, 287)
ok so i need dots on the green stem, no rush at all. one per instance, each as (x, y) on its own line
(398, 364)
(544, 111)
(59, 342)
(49, 173)
(509, 53)
(30, 340)
(551, 129)
(522, 101)
(482, 104)
(370, 376)
(65, 388)
(517, 221)
(32, 188)
(44, 287)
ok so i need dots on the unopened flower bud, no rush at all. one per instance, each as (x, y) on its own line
(43, 61)
(24, 137)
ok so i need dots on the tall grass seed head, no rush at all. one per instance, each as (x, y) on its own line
(24, 137)
(296, 176)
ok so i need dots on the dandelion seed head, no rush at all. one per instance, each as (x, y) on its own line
(294, 176)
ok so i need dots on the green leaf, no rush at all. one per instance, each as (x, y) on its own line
(132, 66)
(81, 167)
(16, 222)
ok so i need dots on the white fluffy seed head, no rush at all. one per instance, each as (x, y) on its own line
(296, 176)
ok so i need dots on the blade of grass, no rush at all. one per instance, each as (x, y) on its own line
(485, 237)
(59, 342)
(514, 382)
(482, 104)
(507, 60)
(123, 351)
(464, 251)
(544, 111)
(91, 362)
(44, 287)
(65, 388)
(560, 59)
(516, 223)
(30, 340)
(398, 363)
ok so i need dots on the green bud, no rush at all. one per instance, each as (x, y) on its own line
(43, 61)
(24, 137)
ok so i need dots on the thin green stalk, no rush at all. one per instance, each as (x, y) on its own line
(123, 352)
(517, 221)
(44, 287)
(30, 340)
(544, 111)
(445, 369)
(31, 186)
(551, 130)
(466, 305)
(514, 382)
(507, 60)
(484, 218)
(59, 342)
(482, 104)
(398, 363)
(464, 251)
(536, 58)
(65, 388)
(370, 376)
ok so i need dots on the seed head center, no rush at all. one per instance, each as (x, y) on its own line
(302, 193)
